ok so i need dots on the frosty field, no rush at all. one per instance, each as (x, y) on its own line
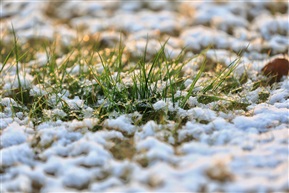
(143, 96)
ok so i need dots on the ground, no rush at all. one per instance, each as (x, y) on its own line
(143, 96)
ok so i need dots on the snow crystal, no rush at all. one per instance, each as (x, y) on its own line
(222, 137)
(75, 103)
(244, 123)
(220, 123)
(89, 123)
(222, 56)
(148, 129)
(76, 177)
(196, 148)
(95, 158)
(193, 101)
(285, 83)
(84, 147)
(122, 123)
(18, 153)
(21, 183)
(138, 48)
(158, 154)
(37, 90)
(102, 186)
(117, 168)
(279, 95)
(203, 37)
(150, 143)
(7, 102)
(88, 112)
(266, 117)
(268, 25)
(36, 175)
(14, 134)
(55, 113)
(278, 44)
(4, 122)
(57, 135)
(172, 53)
(253, 96)
(15, 81)
(131, 6)
(159, 105)
(253, 184)
(202, 114)
(156, 149)
(2, 115)
(55, 165)
(278, 114)
(20, 115)
(101, 137)
(193, 130)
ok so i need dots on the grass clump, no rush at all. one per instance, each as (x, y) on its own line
(104, 82)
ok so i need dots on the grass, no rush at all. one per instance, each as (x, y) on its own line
(111, 83)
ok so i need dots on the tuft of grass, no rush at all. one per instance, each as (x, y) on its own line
(111, 83)
(146, 80)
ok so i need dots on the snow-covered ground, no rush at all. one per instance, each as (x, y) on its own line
(214, 151)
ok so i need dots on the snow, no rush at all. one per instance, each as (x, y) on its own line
(95, 158)
(102, 186)
(75, 103)
(56, 135)
(221, 56)
(266, 117)
(279, 95)
(4, 122)
(57, 113)
(202, 114)
(220, 16)
(13, 135)
(202, 37)
(15, 154)
(122, 123)
(161, 104)
(137, 48)
(20, 183)
(17, 81)
(149, 129)
(76, 177)
(101, 137)
(269, 25)
(7, 102)
(66, 156)
(152, 143)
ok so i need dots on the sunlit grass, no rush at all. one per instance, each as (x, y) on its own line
(109, 82)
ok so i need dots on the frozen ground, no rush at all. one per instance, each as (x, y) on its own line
(214, 151)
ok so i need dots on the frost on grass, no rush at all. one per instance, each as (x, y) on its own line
(93, 135)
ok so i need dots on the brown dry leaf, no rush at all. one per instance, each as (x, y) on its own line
(276, 69)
